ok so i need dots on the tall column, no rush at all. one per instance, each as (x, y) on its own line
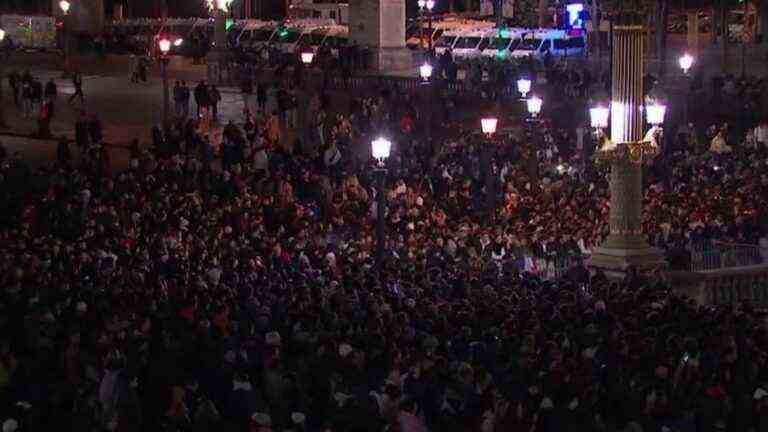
(626, 245)
(379, 25)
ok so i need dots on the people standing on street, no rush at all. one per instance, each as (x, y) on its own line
(44, 120)
(13, 81)
(51, 94)
(26, 99)
(215, 98)
(77, 83)
(63, 153)
(261, 96)
(178, 99)
(247, 89)
(81, 132)
(202, 98)
(185, 96)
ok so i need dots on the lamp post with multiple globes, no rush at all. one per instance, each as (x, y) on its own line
(380, 150)
(427, 6)
(625, 148)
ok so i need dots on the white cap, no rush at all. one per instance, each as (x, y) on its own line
(10, 425)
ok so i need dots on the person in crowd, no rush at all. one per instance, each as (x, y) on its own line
(215, 98)
(174, 294)
(202, 97)
(77, 83)
(51, 95)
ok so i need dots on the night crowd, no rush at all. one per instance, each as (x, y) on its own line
(226, 281)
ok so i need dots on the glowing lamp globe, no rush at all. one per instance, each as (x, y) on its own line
(598, 117)
(425, 71)
(178, 42)
(422, 4)
(64, 5)
(430, 4)
(165, 45)
(2, 34)
(380, 148)
(523, 86)
(223, 4)
(488, 125)
(686, 61)
(307, 57)
(654, 114)
(534, 105)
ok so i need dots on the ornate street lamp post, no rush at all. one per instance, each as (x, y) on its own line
(624, 151)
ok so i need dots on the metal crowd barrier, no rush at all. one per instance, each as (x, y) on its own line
(726, 255)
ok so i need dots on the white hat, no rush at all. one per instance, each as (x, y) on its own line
(262, 419)
(273, 339)
(760, 393)
(10, 425)
(345, 349)
(298, 418)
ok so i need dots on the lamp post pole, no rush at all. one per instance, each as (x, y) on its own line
(64, 5)
(303, 96)
(381, 176)
(380, 149)
(3, 124)
(165, 46)
(488, 126)
(425, 71)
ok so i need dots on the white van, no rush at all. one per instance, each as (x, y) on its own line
(501, 43)
(446, 41)
(470, 44)
(559, 43)
(255, 38)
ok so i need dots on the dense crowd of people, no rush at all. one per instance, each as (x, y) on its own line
(184, 294)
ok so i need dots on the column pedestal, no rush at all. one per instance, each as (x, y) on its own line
(392, 60)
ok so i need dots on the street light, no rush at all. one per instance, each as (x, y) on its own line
(165, 47)
(654, 113)
(2, 111)
(64, 5)
(534, 106)
(523, 86)
(177, 43)
(427, 5)
(380, 149)
(425, 71)
(598, 117)
(307, 57)
(488, 125)
(686, 61)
